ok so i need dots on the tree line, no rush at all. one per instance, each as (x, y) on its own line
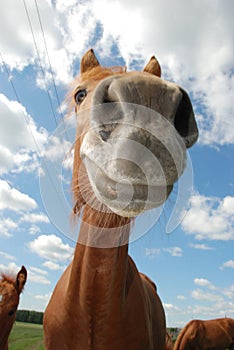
(29, 316)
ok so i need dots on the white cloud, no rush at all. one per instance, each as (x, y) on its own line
(152, 252)
(6, 159)
(220, 302)
(194, 42)
(185, 35)
(202, 282)
(130, 37)
(43, 300)
(37, 275)
(62, 26)
(216, 309)
(18, 129)
(34, 218)
(170, 307)
(53, 266)
(210, 218)
(56, 148)
(20, 139)
(201, 246)
(7, 256)
(229, 293)
(205, 304)
(7, 227)
(45, 297)
(51, 247)
(227, 206)
(201, 295)
(36, 270)
(228, 264)
(12, 199)
(174, 251)
(34, 229)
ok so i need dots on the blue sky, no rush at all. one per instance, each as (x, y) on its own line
(193, 266)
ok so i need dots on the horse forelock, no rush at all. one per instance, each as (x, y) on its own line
(99, 72)
(6, 278)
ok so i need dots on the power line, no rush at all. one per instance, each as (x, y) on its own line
(40, 63)
(38, 151)
(18, 100)
(47, 53)
(9, 78)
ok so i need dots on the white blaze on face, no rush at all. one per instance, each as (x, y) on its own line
(1, 297)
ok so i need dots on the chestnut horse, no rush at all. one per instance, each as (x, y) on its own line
(216, 334)
(169, 342)
(10, 289)
(101, 301)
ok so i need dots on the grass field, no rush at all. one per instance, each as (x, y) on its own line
(26, 336)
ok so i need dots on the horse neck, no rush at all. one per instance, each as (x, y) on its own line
(100, 260)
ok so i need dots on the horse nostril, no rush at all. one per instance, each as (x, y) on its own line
(104, 134)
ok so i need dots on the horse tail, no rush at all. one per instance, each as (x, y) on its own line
(180, 337)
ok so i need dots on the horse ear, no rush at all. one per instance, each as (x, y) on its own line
(21, 279)
(89, 61)
(153, 67)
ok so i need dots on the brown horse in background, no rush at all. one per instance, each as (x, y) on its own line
(101, 301)
(216, 334)
(10, 289)
(169, 342)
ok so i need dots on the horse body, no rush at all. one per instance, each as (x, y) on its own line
(10, 290)
(101, 301)
(169, 342)
(216, 334)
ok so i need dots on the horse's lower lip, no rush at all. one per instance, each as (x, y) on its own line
(127, 192)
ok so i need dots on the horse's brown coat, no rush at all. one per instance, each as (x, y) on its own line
(216, 334)
(10, 289)
(169, 342)
(101, 301)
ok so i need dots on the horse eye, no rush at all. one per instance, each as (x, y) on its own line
(11, 313)
(80, 96)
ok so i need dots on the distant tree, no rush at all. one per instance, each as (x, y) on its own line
(29, 316)
(173, 331)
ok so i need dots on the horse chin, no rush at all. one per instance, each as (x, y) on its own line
(132, 209)
(125, 199)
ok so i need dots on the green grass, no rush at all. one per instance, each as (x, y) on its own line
(26, 336)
